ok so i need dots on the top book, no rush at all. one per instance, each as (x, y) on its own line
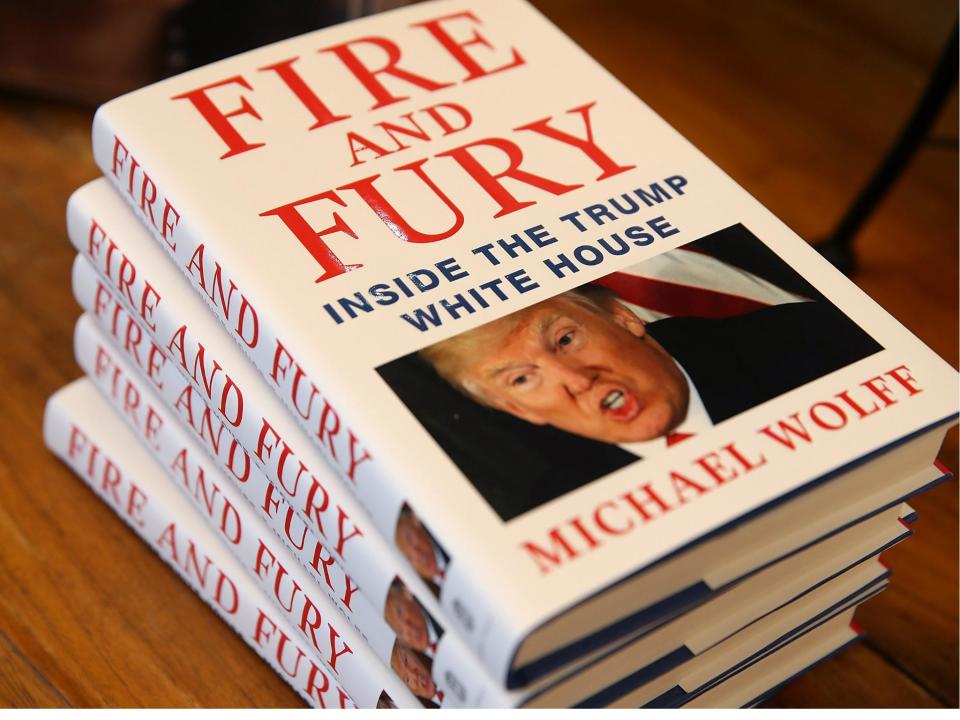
(553, 349)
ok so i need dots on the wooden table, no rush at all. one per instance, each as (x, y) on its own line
(796, 100)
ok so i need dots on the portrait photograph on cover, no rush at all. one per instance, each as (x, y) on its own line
(542, 401)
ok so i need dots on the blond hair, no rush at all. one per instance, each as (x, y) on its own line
(451, 357)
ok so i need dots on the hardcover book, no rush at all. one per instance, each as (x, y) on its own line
(191, 361)
(756, 682)
(240, 503)
(553, 350)
(80, 428)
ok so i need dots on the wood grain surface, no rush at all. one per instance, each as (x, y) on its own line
(795, 100)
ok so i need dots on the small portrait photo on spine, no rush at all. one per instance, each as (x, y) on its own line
(410, 621)
(418, 545)
(416, 671)
(537, 403)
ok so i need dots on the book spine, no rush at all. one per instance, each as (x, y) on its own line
(178, 344)
(360, 660)
(78, 429)
(321, 406)
(103, 342)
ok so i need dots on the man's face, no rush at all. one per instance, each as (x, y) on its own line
(412, 670)
(414, 543)
(588, 371)
(406, 619)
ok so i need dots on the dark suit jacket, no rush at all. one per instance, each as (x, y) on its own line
(739, 362)
(735, 363)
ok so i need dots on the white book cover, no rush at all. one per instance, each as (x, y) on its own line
(238, 488)
(186, 356)
(546, 341)
(87, 435)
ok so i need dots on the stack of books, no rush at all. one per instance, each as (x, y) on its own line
(450, 375)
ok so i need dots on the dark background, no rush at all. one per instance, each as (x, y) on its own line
(796, 99)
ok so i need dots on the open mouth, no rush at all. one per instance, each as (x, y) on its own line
(619, 404)
(614, 400)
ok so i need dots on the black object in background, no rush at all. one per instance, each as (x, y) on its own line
(203, 31)
(838, 248)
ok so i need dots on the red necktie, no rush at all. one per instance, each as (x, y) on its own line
(677, 299)
(675, 437)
